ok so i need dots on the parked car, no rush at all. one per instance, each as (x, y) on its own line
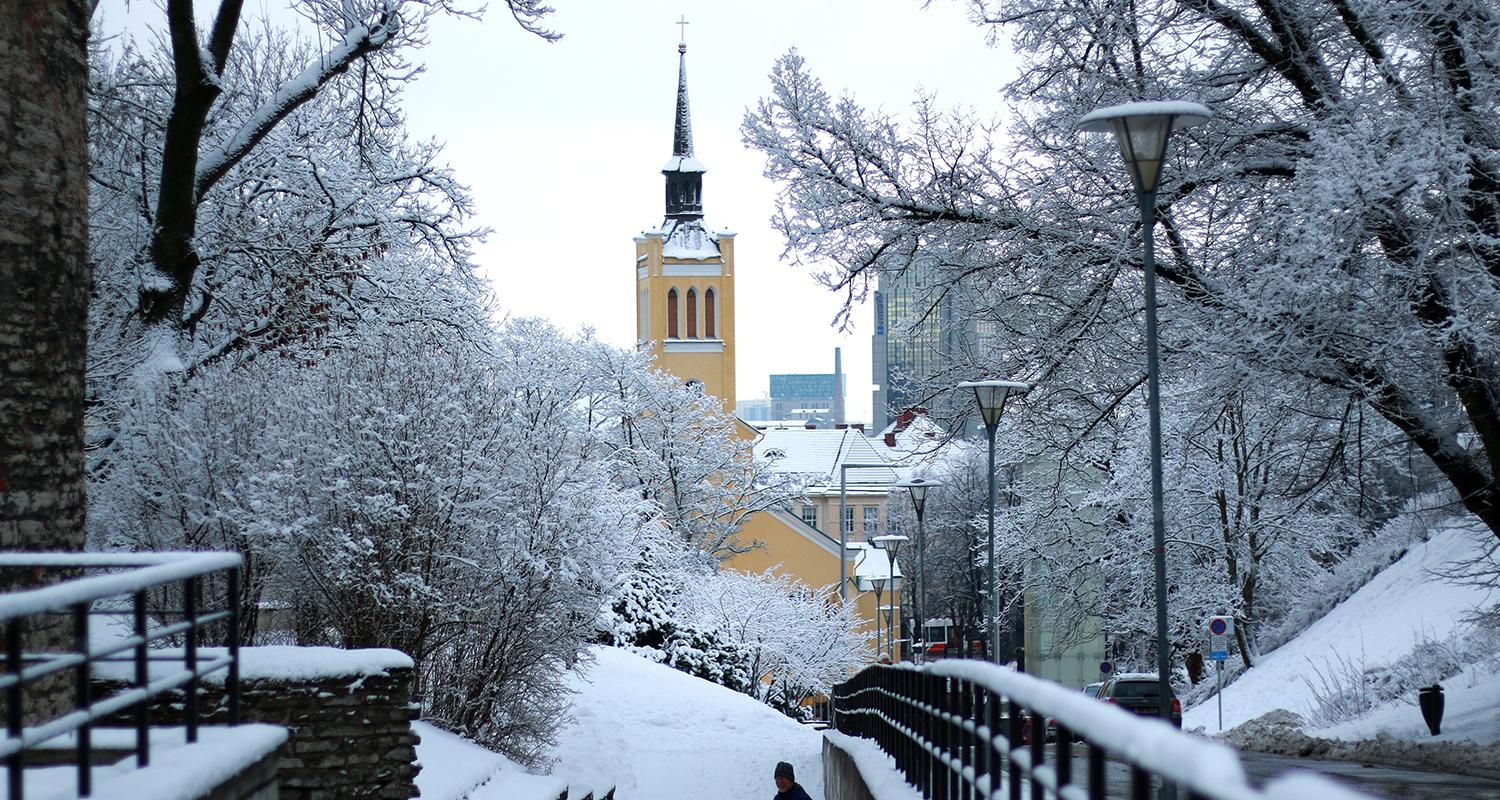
(1139, 693)
(1092, 690)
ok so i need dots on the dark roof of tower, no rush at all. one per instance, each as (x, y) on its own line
(682, 159)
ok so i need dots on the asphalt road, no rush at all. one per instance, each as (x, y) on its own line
(1380, 782)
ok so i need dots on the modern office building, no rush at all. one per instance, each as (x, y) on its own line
(921, 331)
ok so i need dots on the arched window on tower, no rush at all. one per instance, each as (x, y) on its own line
(692, 314)
(671, 313)
(710, 314)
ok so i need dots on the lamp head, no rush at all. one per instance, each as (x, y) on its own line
(991, 395)
(918, 488)
(1141, 130)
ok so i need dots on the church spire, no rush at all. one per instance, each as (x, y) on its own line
(684, 173)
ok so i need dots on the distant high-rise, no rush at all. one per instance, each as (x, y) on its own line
(810, 397)
(920, 329)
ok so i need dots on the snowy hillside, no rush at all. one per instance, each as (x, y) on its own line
(649, 731)
(1373, 634)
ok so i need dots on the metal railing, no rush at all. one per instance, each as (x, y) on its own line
(160, 595)
(961, 729)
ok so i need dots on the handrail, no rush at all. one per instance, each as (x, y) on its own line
(961, 728)
(149, 570)
(132, 577)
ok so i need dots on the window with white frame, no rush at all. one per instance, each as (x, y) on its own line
(848, 519)
(871, 523)
(810, 514)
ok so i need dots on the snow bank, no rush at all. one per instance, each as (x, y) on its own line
(876, 767)
(1377, 625)
(190, 770)
(651, 731)
(283, 663)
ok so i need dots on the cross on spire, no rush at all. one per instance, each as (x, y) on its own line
(682, 24)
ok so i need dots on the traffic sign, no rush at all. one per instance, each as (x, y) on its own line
(1106, 667)
(1219, 631)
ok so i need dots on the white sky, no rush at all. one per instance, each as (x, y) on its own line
(562, 145)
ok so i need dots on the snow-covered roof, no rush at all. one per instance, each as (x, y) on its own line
(689, 240)
(872, 562)
(919, 445)
(819, 453)
(684, 164)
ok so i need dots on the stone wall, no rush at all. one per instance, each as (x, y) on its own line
(349, 735)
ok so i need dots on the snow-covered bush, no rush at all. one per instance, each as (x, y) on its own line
(765, 635)
(1345, 688)
(646, 617)
(800, 641)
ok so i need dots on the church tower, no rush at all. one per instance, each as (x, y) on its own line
(684, 274)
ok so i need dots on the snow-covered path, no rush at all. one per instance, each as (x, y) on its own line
(657, 734)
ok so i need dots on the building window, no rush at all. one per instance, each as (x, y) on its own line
(871, 522)
(810, 515)
(710, 314)
(849, 519)
(671, 313)
(692, 314)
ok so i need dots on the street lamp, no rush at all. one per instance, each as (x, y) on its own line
(878, 585)
(1142, 131)
(891, 544)
(843, 533)
(991, 396)
(918, 488)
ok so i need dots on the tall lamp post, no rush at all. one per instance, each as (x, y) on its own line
(1142, 131)
(991, 396)
(918, 488)
(891, 544)
(878, 585)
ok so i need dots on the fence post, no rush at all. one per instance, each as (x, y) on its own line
(1013, 743)
(142, 680)
(16, 761)
(190, 613)
(81, 697)
(232, 680)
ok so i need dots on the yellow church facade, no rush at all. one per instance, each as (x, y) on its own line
(685, 316)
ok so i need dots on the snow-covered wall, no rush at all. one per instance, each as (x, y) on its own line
(348, 714)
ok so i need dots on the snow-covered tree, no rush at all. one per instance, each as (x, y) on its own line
(254, 190)
(684, 452)
(1332, 226)
(450, 500)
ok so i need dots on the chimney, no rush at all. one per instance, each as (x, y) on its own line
(890, 439)
(859, 426)
(838, 385)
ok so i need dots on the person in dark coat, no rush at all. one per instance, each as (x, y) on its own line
(787, 787)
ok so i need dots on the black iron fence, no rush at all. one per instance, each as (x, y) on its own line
(969, 730)
(161, 606)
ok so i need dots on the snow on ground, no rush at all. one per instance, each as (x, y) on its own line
(1377, 625)
(454, 768)
(658, 734)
